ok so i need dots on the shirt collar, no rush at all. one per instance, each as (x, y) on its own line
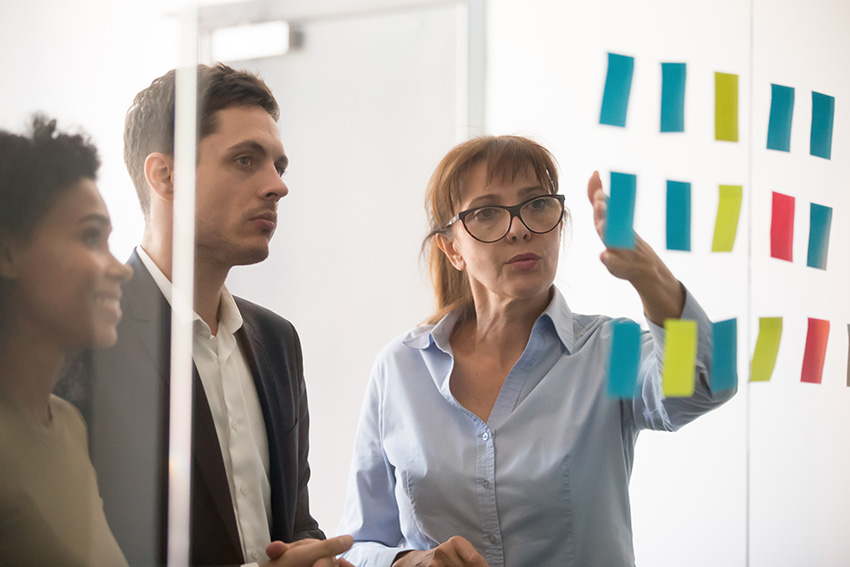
(557, 311)
(229, 317)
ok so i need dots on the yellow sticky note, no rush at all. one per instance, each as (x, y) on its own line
(680, 352)
(728, 212)
(726, 107)
(767, 347)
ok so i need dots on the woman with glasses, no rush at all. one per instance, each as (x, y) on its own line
(60, 289)
(487, 436)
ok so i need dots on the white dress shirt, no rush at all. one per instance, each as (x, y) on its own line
(235, 405)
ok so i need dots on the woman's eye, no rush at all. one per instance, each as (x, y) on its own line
(486, 214)
(92, 238)
(245, 160)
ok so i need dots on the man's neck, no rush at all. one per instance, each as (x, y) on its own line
(209, 279)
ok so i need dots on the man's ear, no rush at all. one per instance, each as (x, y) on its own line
(159, 171)
(448, 248)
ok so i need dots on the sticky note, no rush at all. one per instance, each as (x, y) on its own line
(781, 111)
(619, 231)
(820, 220)
(726, 107)
(815, 352)
(782, 227)
(728, 212)
(823, 110)
(724, 355)
(673, 97)
(680, 353)
(767, 347)
(625, 360)
(678, 215)
(618, 84)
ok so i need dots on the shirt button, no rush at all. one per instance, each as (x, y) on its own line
(243, 489)
(486, 484)
(234, 425)
(255, 554)
(492, 539)
(486, 436)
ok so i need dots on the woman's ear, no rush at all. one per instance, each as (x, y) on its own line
(159, 171)
(447, 245)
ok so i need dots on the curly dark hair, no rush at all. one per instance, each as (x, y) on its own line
(38, 167)
(149, 125)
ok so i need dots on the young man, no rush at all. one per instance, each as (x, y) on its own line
(250, 419)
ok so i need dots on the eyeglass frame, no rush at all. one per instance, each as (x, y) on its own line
(514, 212)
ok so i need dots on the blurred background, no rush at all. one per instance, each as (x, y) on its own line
(374, 92)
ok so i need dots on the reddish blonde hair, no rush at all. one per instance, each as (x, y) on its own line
(505, 157)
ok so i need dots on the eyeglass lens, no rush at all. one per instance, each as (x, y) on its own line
(492, 223)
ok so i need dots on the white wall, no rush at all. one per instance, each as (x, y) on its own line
(759, 482)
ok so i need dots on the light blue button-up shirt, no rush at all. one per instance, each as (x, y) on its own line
(544, 481)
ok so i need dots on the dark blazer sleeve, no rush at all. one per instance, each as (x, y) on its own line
(273, 350)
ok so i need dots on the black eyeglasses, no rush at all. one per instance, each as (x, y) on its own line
(491, 223)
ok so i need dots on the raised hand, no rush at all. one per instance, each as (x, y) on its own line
(662, 295)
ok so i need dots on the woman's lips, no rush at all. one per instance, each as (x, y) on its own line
(524, 261)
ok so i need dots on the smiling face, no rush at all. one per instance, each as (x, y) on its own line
(65, 284)
(238, 186)
(521, 265)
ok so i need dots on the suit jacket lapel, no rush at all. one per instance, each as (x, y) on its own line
(270, 401)
(151, 316)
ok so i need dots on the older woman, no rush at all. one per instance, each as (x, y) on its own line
(487, 436)
(59, 291)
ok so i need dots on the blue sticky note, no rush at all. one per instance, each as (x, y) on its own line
(621, 211)
(678, 215)
(820, 220)
(673, 97)
(823, 109)
(724, 355)
(781, 111)
(618, 84)
(625, 359)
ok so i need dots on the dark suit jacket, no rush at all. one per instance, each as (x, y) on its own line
(128, 422)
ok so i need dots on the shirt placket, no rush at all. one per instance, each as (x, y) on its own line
(485, 487)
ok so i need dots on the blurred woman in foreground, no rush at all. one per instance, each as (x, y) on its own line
(487, 436)
(60, 289)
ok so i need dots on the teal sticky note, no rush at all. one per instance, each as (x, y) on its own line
(673, 97)
(724, 355)
(618, 85)
(625, 360)
(678, 215)
(781, 111)
(823, 110)
(820, 220)
(619, 232)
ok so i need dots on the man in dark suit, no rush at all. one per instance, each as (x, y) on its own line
(250, 421)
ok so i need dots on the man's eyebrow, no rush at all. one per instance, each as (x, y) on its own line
(248, 145)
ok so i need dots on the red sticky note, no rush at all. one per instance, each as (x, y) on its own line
(782, 227)
(815, 350)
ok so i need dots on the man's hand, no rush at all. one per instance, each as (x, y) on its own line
(456, 552)
(309, 553)
(661, 293)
